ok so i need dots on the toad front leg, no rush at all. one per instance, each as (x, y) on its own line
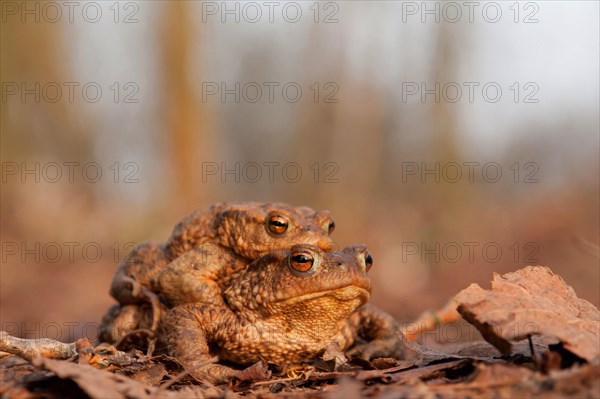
(381, 330)
(132, 287)
(137, 272)
(188, 332)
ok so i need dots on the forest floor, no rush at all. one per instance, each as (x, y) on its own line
(535, 338)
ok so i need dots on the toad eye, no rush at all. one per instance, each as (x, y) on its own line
(277, 224)
(368, 261)
(301, 261)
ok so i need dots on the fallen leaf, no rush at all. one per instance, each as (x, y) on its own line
(382, 363)
(493, 375)
(335, 357)
(94, 382)
(532, 301)
(483, 349)
(257, 372)
(346, 388)
(150, 375)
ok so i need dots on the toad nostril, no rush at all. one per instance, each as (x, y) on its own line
(330, 227)
(368, 261)
(369, 258)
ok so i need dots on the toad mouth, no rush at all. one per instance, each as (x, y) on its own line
(346, 293)
(349, 293)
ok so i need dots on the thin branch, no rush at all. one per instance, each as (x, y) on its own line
(29, 349)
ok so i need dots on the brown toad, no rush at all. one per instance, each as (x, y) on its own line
(286, 308)
(239, 232)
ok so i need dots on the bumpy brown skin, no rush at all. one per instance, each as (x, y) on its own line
(275, 313)
(240, 232)
(237, 226)
(241, 227)
(199, 275)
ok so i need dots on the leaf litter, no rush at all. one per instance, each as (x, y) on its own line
(542, 340)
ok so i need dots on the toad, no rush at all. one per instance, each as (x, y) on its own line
(237, 232)
(285, 308)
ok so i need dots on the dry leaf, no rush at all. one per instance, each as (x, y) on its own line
(488, 376)
(382, 363)
(428, 372)
(94, 382)
(483, 349)
(346, 388)
(150, 375)
(257, 372)
(532, 301)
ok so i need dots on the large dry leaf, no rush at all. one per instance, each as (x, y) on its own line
(532, 301)
(94, 382)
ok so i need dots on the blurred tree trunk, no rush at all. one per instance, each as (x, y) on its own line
(35, 52)
(340, 140)
(445, 137)
(312, 137)
(359, 134)
(33, 130)
(188, 126)
(445, 200)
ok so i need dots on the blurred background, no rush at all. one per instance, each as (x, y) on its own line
(454, 139)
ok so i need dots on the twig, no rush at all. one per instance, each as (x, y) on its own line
(430, 320)
(151, 346)
(533, 357)
(167, 384)
(152, 297)
(271, 382)
(586, 246)
(29, 349)
(149, 334)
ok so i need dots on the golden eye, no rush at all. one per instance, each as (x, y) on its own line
(368, 261)
(277, 224)
(301, 261)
